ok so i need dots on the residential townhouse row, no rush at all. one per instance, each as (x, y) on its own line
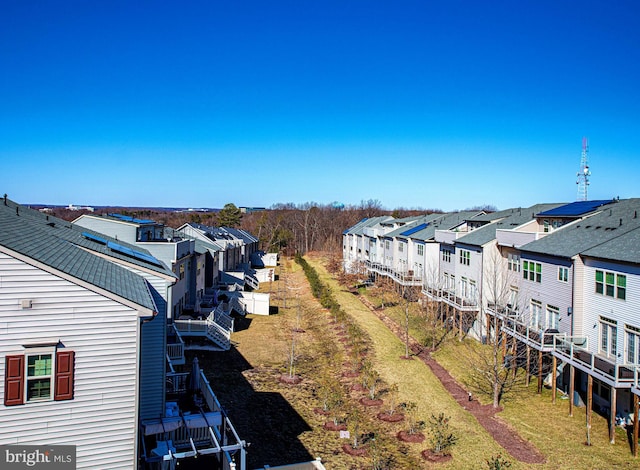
(560, 279)
(93, 320)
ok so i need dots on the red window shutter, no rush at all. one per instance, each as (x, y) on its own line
(14, 380)
(64, 375)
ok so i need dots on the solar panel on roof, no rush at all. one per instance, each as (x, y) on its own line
(413, 230)
(94, 238)
(128, 218)
(574, 209)
(133, 253)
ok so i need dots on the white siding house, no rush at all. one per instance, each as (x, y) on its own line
(70, 348)
(176, 253)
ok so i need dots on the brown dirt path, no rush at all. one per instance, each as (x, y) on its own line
(502, 432)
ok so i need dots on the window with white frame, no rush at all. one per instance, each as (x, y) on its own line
(452, 286)
(632, 344)
(611, 284)
(513, 298)
(563, 274)
(608, 336)
(553, 317)
(532, 271)
(513, 262)
(445, 280)
(536, 314)
(39, 374)
(465, 257)
(420, 250)
(446, 256)
(400, 247)
(473, 289)
(545, 224)
(464, 287)
(387, 245)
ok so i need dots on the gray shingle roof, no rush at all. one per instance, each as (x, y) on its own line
(56, 243)
(511, 219)
(492, 216)
(370, 222)
(605, 227)
(625, 248)
(414, 222)
(446, 221)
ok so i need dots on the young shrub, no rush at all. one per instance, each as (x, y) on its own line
(415, 425)
(441, 436)
(497, 462)
(354, 425)
(392, 399)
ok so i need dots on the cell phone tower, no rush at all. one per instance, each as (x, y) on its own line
(584, 173)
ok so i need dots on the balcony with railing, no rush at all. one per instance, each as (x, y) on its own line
(513, 325)
(175, 346)
(193, 425)
(217, 327)
(462, 303)
(435, 291)
(574, 350)
(402, 277)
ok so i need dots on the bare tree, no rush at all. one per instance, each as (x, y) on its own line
(435, 320)
(410, 295)
(492, 367)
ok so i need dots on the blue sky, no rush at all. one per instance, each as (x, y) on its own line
(445, 104)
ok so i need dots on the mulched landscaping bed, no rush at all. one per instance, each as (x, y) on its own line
(331, 426)
(287, 379)
(394, 418)
(366, 401)
(435, 458)
(359, 452)
(404, 436)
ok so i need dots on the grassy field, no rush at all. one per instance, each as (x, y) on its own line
(560, 437)
(280, 422)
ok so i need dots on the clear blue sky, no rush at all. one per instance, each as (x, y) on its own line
(436, 104)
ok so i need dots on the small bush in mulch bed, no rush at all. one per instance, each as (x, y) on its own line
(290, 379)
(435, 458)
(442, 438)
(394, 418)
(404, 436)
(359, 452)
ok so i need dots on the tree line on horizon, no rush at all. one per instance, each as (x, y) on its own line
(285, 227)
